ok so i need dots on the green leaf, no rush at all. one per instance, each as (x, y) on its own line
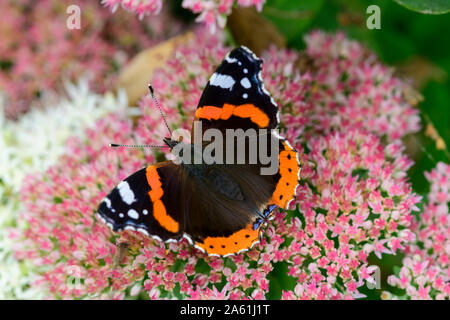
(6, 65)
(362, 173)
(426, 6)
(292, 18)
(279, 280)
(178, 266)
(202, 267)
(435, 106)
(57, 200)
(396, 270)
(227, 262)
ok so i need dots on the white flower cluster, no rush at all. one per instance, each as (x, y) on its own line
(32, 144)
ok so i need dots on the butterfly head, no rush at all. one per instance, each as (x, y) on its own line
(171, 143)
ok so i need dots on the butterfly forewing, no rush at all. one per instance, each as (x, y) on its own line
(235, 95)
(145, 202)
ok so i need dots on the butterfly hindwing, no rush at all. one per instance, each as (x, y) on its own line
(221, 224)
(224, 203)
(287, 178)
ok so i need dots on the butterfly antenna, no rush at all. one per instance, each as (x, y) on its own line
(115, 145)
(159, 107)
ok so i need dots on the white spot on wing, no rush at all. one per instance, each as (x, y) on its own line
(188, 238)
(289, 145)
(260, 76)
(273, 101)
(230, 60)
(276, 134)
(222, 80)
(156, 238)
(108, 202)
(126, 193)
(245, 96)
(265, 90)
(199, 248)
(100, 218)
(145, 211)
(133, 214)
(251, 52)
(245, 83)
(142, 230)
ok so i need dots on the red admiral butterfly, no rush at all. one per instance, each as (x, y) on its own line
(219, 208)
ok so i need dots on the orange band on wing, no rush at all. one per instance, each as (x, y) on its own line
(227, 111)
(155, 193)
(248, 110)
(289, 167)
(240, 240)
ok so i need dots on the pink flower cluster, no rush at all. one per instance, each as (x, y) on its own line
(425, 273)
(140, 7)
(211, 12)
(38, 51)
(354, 198)
(351, 90)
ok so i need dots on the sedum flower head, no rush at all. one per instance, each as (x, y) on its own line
(28, 146)
(353, 199)
(212, 13)
(350, 89)
(425, 273)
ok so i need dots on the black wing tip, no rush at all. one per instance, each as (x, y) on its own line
(245, 51)
(113, 225)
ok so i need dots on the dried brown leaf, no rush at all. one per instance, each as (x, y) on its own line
(135, 75)
(253, 30)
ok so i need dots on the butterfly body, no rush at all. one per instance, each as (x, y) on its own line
(219, 207)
